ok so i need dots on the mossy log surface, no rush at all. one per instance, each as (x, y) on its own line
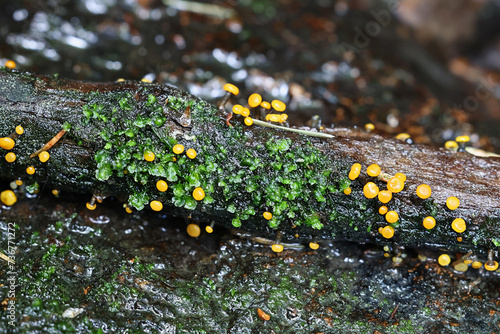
(244, 171)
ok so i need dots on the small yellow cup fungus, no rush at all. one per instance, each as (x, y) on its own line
(424, 191)
(462, 139)
(161, 186)
(10, 64)
(476, 264)
(91, 206)
(369, 127)
(10, 157)
(7, 143)
(444, 260)
(267, 215)
(355, 170)
(451, 145)
(128, 209)
(347, 191)
(278, 105)
(313, 245)
(401, 176)
(120, 80)
(19, 130)
(458, 225)
(452, 202)
(44, 156)
(191, 153)
(146, 80)
(491, 266)
(391, 217)
(395, 184)
(385, 196)
(402, 136)
(193, 230)
(237, 109)
(156, 205)
(230, 88)
(30, 170)
(382, 210)
(254, 100)
(277, 248)
(265, 105)
(198, 194)
(19, 182)
(429, 222)
(245, 112)
(370, 190)
(149, 155)
(209, 229)
(178, 149)
(248, 121)
(373, 170)
(55, 192)
(387, 232)
(462, 267)
(8, 197)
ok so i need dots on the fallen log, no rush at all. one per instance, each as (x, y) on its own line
(119, 139)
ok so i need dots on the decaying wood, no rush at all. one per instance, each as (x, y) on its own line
(43, 104)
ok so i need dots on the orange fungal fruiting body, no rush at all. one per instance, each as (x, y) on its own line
(198, 194)
(370, 190)
(429, 222)
(452, 202)
(355, 170)
(254, 100)
(458, 225)
(387, 231)
(193, 230)
(373, 170)
(395, 184)
(391, 217)
(424, 191)
(385, 196)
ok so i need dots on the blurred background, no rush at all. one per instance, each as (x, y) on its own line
(428, 68)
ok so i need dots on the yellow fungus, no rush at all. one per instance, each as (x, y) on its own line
(245, 112)
(91, 206)
(191, 153)
(458, 225)
(460, 239)
(313, 245)
(265, 105)
(19, 130)
(128, 209)
(237, 109)
(7, 143)
(347, 191)
(198, 194)
(120, 80)
(19, 182)
(193, 230)
(491, 266)
(10, 157)
(386, 254)
(8, 197)
(468, 261)
(429, 222)
(395, 184)
(254, 100)
(355, 170)
(403, 136)
(44, 156)
(444, 260)
(476, 264)
(55, 192)
(451, 145)
(391, 217)
(369, 127)
(277, 248)
(452, 203)
(209, 229)
(267, 215)
(10, 64)
(230, 88)
(276, 118)
(385, 196)
(30, 170)
(387, 232)
(462, 267)
(149, 155)
(424, 191)
(178, 149)
(462, 139)
(382, 210)
(401, 176)
(146, 80)
(161, 186)
(373, 170)
(248, 121)
(278, 105)
(370, 190)
(156, 205)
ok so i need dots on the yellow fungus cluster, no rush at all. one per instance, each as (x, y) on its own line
(355, 171)
(370, 190)
(277, 118)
